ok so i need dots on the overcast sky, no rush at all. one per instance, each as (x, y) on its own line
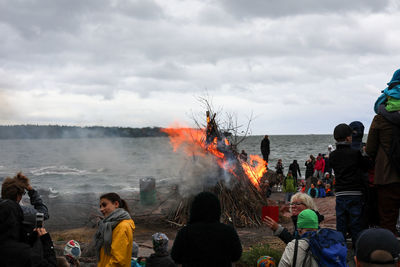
(299, 67)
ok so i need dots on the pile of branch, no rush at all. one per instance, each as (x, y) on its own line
(241, 204)
(241, 201)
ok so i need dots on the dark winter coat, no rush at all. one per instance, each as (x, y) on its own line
(205, 241)
(357, 135)
(265, 147)
(379, 140)
(13, 252)
(295, 168)
(349, 166)
(309, 169)
(160, 260)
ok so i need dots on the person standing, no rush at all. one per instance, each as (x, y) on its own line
(114, 237)
(319, 167)
(295, 168)
(279, 171)
(205, 241)
(289, 186)
(265, 148)
(381, 133)
(349, 166)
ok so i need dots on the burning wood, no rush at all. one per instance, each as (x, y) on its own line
(241, 195)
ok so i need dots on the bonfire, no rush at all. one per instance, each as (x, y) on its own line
(239, 182)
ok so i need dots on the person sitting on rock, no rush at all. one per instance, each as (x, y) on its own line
(313, 192)
(72, 252)
(328, 190)
(299, 202)
(321, 189)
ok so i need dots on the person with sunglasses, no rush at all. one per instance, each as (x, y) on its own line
(299, 202)
(114, 237)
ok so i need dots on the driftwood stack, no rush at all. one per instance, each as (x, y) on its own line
(241, 203)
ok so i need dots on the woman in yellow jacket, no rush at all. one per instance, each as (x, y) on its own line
(114, 238)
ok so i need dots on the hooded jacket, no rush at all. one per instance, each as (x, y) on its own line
(204, 241)
(319, 164)
(121, 246)
(357, 135)
(393, 90)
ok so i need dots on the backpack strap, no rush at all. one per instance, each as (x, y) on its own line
(306, 257)
(296, 247)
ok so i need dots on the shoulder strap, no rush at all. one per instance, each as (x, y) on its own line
(306, 257)
(296, 247)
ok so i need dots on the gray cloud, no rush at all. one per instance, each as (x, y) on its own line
(276, 8)
(262, 55)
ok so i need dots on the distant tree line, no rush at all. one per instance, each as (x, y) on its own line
(58, 131)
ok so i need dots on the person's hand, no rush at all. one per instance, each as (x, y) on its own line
(270, 223)
(40, 231)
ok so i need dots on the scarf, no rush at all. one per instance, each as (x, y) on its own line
(103, 235)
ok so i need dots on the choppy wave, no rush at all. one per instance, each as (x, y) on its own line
(57, 170)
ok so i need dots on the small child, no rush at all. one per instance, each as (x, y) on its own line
(72, 252)
(135, 262)
(289, 186)
(349, 166)
(321, 189)
(313, 192)
(328, 190)
(161, 256)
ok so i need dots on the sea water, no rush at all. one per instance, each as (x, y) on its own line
(118, 164)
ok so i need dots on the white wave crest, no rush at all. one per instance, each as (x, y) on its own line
(58, 170)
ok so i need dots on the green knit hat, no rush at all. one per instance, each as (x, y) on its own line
(307, 219)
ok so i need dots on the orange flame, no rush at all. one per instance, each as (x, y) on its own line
(255, 170)
(193, 142)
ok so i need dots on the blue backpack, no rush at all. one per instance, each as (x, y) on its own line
(327, 247)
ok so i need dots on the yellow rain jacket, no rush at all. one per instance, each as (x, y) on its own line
(121, 246)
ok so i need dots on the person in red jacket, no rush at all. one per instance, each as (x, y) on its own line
(319, 167)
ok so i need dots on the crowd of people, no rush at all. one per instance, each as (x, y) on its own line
(364, 178)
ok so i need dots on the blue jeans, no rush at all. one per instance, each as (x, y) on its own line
(349, 215)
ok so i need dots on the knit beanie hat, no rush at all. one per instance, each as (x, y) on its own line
(72, 250)
(307, 219)
(160, 242)
(342, 131)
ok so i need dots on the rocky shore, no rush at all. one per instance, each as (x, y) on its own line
(75, 217)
